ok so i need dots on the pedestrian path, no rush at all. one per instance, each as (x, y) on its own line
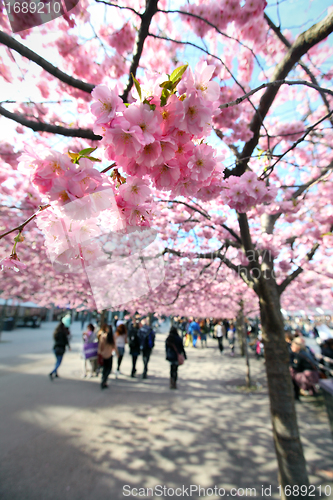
(67, 439)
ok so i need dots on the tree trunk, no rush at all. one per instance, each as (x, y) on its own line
(242, 338)
(247, 360)
(289, 451)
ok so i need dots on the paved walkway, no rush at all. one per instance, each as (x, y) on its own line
(67, 439)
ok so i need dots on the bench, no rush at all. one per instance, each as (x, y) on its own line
(327, 388)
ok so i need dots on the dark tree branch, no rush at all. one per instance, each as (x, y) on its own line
(206, 215)
(304, 42)
(311, 182)
(146, 18)
(293, 146)
(22, 226)
(281, 288)
(245, 233)
(242, 271)
(276, 83)
(53, 70)
(119, 6)
(313, 79)
(196, 16)
(38, 126)
(188, 283)
(232, 232)
(195, 209)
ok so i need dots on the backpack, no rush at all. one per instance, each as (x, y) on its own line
(133, 339)
(147, 337)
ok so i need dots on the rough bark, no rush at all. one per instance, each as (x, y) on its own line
(242, 337)
(289, 451)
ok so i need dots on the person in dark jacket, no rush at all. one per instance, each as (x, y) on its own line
(60, 336)
(173, 347)
(147, 341)
(327, 348)
(134, 344)
(304, 370)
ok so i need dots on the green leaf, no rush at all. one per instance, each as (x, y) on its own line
(91, 158)
(164, 97)
(87, 151)
(74, 157)
(178, 72)
(137, 86)
(166, 85)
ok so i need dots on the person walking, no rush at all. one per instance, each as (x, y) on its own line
(90, 345)
(204, 328)
(61, 335)
(194, 330)
(134, 344)
(83, 319)
(231, 338)
(106, 346)
(147, 342)
(174, 350)
(121, 340)
(219, 331)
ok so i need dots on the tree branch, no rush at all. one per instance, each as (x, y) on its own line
(146, 17)
(281, 288)
(41, 208)
(196, 16)
(38, 126)
(22, 226)
(301, 139)
(207, 216)
(53, 70)
(276, 83)
(195, 209)
(119, 6)
(311, 182)
(303, 43)
(242, 271)
(313, 79)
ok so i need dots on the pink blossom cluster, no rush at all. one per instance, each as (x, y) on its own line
(234, 121)
(241, 193)
(223, 12)
(123, 40)
(163, 142)
(60, 180)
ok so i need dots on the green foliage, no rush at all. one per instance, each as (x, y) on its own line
(137, 86)
(169, 86)
(84, 153)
